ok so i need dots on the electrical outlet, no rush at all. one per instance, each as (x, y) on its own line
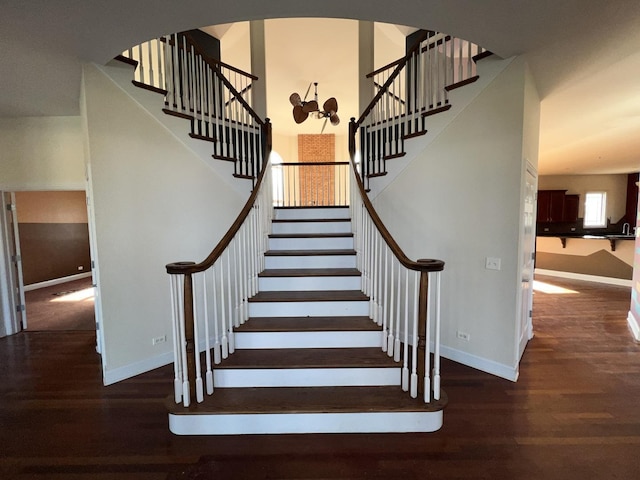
(492, 263)
(463, 336)
(80, 268)
(157, 340)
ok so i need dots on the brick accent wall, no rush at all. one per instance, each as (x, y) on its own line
(317, 184)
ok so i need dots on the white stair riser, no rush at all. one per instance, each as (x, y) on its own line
(337, 339)
(311, 309)
(329, 243)
(311, 227)
(278, 423)
(270, 284)
(310, 261)
(305, 377)
(311, 213)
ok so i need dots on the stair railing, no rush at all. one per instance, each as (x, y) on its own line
(407, 91)
(216, 97)
(209, 299)
(401, 300)
(310, 184)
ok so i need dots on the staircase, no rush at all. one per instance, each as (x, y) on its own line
(309, 359)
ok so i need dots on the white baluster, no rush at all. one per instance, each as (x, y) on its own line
(241, 273)
(223, 313)
(236, 281)
(427, 343)
(196, 342)
(193, 103)
(177, 357)
(160, 54)
(177, 93)
(140, 70)
(385, 287)
(414, 335)
(217, 346)
(207, 336)
(436, 339)
(376, 282)
(396, 348)
(405, 361)
(461, 75)
(391, 336)
(151, 74)
(230, 323)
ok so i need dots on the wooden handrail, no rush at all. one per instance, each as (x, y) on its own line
(439, 41)
(422, 265)
(214, 64)
(186, 268)
(401, 63)
(213, 60)
(386, 67)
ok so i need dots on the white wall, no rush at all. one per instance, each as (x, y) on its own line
(41, 153)
(154, 202)
(460, 201)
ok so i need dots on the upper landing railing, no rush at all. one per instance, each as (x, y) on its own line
(215, 97)
(407, 92)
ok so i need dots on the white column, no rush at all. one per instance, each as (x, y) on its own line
(258, 67)
(365, 64)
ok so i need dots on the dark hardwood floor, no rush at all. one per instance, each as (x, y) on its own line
(573, 414)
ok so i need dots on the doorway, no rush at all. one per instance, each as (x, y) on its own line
(55, 262)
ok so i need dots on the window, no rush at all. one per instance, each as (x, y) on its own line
(595, 209)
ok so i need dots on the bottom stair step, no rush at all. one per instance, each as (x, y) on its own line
(238, 411)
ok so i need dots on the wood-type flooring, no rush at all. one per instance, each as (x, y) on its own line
(573, 414)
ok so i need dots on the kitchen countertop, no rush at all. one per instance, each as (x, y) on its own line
(612, 237)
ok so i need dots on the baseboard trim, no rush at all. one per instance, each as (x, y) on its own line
(489, 366)
(634, 326)
(56, 281)
(122, 373)
(620, 282)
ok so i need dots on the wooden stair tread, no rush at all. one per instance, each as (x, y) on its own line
(295, 358)
(310, 272)
(301, 207)
(307, 400)
(308, 324)
(311, 235)
(307, 253)
(310, 296)
(310, 220)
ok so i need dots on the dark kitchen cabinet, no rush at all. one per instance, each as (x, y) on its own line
(571, 206)
(551, 206)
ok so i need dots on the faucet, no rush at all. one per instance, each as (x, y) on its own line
(626, 229)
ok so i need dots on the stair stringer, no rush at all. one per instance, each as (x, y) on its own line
(488, 69)
(122, 75)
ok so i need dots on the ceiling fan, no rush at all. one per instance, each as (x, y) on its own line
(302, 108)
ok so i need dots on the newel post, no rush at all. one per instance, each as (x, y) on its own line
(423, 348)
(186, 347)
(353, 127)
(189, 336)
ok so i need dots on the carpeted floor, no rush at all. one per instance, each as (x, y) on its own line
(68, 306)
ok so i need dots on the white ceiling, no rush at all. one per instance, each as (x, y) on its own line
(583, 55)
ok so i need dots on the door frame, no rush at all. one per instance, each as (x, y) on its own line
(527, 248)
(11, 281)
